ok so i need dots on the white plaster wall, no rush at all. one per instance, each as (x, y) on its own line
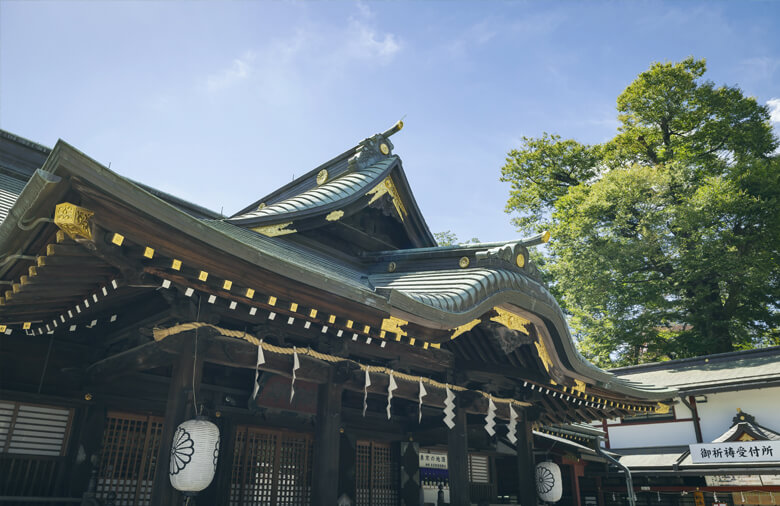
(716, 414)
(651, 434)
(716, 417)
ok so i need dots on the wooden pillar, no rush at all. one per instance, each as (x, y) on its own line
(577, 472)
(458, 457)
(177, 409)
(600, 489)
(696, 419)
(86, 454)
(411, 489)
(526, 465)
(348, 467)
(325, 473)
(224, 474)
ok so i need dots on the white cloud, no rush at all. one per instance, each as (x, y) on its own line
(283, 68)
(237, 71)
(365, 43)
(774, 109)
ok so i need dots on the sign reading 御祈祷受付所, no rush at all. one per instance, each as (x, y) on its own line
(739, 451)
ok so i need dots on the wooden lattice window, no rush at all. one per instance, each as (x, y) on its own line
(31, 429)
(33, 442)
(128, 457)
(271, 467)
(479, 469)
(377, 474)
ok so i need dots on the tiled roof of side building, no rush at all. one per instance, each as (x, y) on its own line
(732, 370)
(19, 158)
(10, 188)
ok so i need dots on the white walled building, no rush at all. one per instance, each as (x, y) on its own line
(717, 393)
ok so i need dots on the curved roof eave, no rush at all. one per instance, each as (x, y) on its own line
(519, 294)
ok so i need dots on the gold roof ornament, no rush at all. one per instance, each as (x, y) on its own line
(393, 324)
(661, 408)
(276, 230)
(462, 329)
(73, 220)
(510, 320)
(322, 176)
(579, 386)
(388, 187)
(334, 215)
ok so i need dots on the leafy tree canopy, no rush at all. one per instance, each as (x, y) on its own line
(450, 238)
(664, 239)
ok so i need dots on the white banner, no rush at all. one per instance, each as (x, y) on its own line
(740, 451)
(432, 460)
(733, 480)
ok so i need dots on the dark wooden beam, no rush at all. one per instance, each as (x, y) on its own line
(458, 458)
(325, 473)
(141, 358)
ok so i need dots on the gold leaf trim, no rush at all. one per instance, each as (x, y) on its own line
(387, 186)
(510, 320)
(394, 325)
(276, 230)
(464, 328)
(322, 176)
(661, 408)
(579, 386)
(73, 220)
(544, 355)
(335, 215)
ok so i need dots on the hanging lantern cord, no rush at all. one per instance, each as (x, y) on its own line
(194, 368)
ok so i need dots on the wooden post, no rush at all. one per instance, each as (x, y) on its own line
(458, 457)
(526, 465)
(227, 449)
(325, 473)
(411, 489)
(86, 452)
(176, 411)
(348, 467)
(600, 489)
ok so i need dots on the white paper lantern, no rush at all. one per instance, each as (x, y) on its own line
(194, 454)
(548, 482)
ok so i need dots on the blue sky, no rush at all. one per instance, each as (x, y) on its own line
(222, 102)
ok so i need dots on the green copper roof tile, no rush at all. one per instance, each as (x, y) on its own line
(348, 186)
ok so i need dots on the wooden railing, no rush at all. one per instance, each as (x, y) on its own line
(482, 492)
(28, 475)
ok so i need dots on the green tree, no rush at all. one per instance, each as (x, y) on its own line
(665, 239)
(450, 238)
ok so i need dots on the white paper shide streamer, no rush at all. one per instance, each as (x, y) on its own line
(490, 419)
(365, 392)
(390, 387)
(296, 366)
(260, 361)
(423, 393)
(512, 427)
(449, 409)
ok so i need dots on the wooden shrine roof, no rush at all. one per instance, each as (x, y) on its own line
(483, 303)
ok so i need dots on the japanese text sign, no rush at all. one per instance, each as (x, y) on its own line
(739, 451)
